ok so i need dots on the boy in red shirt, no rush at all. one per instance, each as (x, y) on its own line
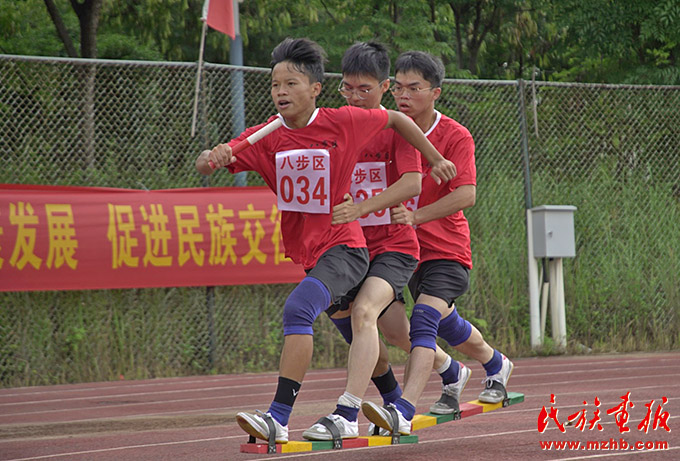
(387, 174)
(445, 255)
(308, 163)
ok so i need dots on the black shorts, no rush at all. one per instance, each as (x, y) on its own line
(393, 267)
(441, 278)
(340, 268)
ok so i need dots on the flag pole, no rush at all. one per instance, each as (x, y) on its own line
(237, 88)
(198, 79)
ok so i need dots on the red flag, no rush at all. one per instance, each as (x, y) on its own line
(219, 14)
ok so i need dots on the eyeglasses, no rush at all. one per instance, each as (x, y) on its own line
(398, 90)
(360, 93)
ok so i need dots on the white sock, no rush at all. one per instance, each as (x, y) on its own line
(447, 364)
(349, 400)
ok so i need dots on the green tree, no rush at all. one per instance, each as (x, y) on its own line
(572, 40)
(26, 28)
(160, 30)
(336, 25)
(624, 41)
(88, 13)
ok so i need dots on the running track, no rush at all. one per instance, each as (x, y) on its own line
(194, 418)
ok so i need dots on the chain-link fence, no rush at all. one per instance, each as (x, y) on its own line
(612, 151)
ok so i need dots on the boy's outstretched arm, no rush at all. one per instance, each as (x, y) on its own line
(442, 169)
(407, 186)
(459, 199)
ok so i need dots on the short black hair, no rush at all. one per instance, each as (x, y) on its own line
(305, 55)
(367, 58)
(429, 66)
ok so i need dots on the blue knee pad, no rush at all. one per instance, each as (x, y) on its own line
(424, 322)
(454, 329)
(303, 306)
(344, 326)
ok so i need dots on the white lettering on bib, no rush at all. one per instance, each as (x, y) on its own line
(303, 180)
(370, 179)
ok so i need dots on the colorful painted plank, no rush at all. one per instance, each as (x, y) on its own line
(421, 421)
(296, 447)
(471, 408)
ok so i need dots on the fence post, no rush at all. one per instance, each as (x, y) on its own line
(210, 303)
(532, 266)
(210, 290)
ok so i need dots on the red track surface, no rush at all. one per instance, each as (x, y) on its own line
(194, 418)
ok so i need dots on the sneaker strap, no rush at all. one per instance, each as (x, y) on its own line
(392, 411)
(328, 423)
(271, 442)
(492, 384)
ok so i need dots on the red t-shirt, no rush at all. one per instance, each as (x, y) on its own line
(447, 237)
(310, 170)
(381, 164)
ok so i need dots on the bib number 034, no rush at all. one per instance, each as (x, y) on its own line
(303, 180)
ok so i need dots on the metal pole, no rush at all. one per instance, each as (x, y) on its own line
(532, 269)
(210, 303)
(534, 307)
(544, 285)
(525, 146)
(557, 314)
(561, 339)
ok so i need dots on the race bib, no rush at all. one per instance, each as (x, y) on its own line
(412, 203)
(370, 179)
(303, 180)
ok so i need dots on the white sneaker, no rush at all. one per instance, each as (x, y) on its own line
(382, 417)
(495, 391)
(347, 429)
(256, 425)
(382, 432)
(449, 402)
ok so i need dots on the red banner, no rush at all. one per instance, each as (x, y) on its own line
(76, 238)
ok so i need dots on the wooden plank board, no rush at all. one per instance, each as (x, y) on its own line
(420, 421)
(467, 409)
(316, 445)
